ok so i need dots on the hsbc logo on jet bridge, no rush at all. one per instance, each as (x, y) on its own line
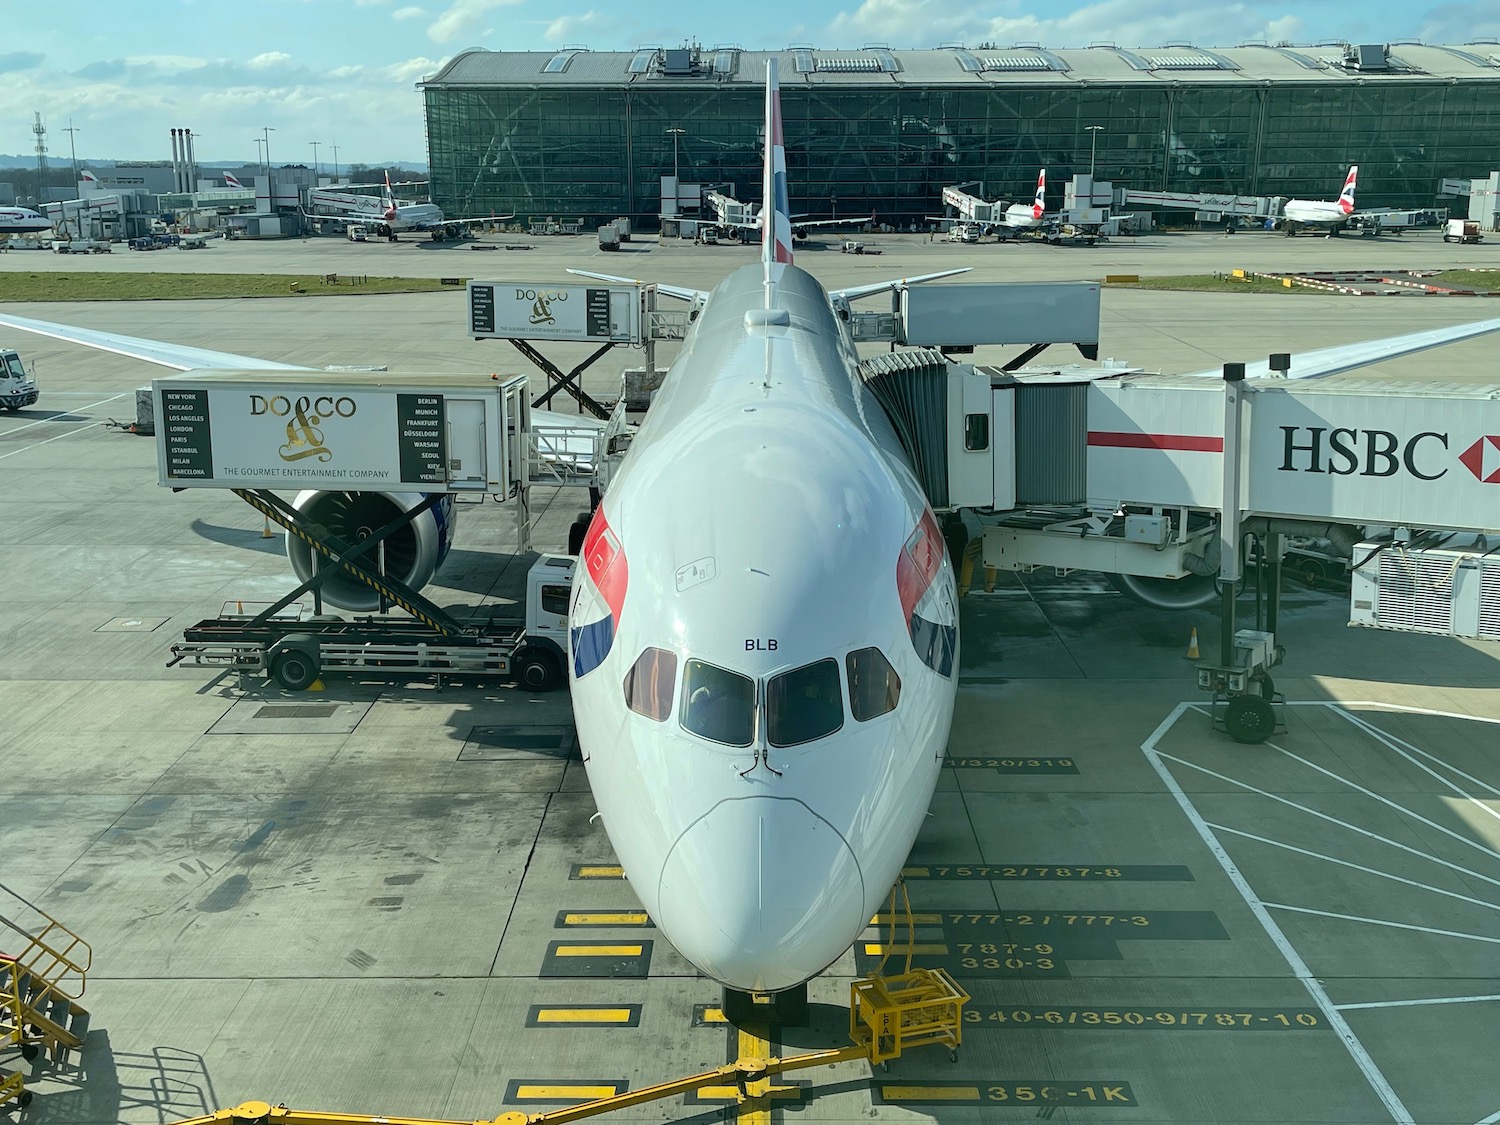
(1342, 452)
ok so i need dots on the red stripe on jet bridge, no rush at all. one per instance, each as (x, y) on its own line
(605, 559)
(1188, 442)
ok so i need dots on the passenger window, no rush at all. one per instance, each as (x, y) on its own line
(649, 684)
(555, 599)
(804, 704)
(874, 687)
(718, 704)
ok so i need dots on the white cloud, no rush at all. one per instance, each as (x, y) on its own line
(345, 71)
(408, 13)
(166, 62)
(570, 29)
(462, 17)
(405, 73)
(268, 59)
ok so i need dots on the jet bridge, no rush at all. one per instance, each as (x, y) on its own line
(1165, 482)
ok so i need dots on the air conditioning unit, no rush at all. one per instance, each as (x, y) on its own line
(1445, 591)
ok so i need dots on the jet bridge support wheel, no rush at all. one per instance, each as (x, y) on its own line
(1249, 719)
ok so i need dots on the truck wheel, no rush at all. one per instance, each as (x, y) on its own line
(1311, 572)
(537, 670)
(1249, 719)
(294, 669)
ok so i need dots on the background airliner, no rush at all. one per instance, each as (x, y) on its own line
(392, 217)
(1029, 216)
(1332, 215)
(22, 220)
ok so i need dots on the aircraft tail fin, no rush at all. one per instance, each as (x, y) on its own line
(1039, 201)
(1346, 197)
(389, 200)
(776, 210)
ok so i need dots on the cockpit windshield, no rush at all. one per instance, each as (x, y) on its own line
(718, 704)
(804, 704)
(16, 371)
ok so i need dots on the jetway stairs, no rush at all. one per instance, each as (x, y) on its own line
(44, 969)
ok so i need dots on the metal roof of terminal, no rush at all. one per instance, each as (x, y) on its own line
(988, 65)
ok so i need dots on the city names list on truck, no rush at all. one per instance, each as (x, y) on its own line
(421, 438)
(482, 310)
(189, 443)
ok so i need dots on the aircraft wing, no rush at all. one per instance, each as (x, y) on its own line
(681, 292)
(177, 356)
(799, 224)
(858, 291)
(1349, 357)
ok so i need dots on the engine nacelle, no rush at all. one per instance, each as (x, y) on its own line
(412, 555)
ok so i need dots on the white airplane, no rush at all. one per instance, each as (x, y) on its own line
(764, 635)
(1024, 216)
(1298, 214)
(732, 215)
(389, 217)
(22, 220)
(1018, 218)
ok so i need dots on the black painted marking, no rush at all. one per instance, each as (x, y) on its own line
(1186, 1017)
(574, 1018)
(1075, 872)
(567, 959)
(1014, 1093)
(1037, 943)
(1012, 765)
(555, 1091)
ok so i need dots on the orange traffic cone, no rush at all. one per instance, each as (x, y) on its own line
(266, 533)
(1192, 653)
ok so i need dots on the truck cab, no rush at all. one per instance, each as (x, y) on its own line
(17, 385)
(354, 232)
(549, 587)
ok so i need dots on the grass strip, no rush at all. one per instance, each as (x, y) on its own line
(23, 286)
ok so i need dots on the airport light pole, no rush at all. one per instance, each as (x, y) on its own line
(73, 151)
(1094, 131)
(675, 133)
(260, 153)
(334, 145)
(315, 157)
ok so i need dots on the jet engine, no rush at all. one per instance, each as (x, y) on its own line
(412, 555)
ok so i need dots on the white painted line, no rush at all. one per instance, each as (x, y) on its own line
(1334, 820)
(1419, 1003)
(1374, 796)
(1357, 1052)
(1490, 1120)
(1357, 867)
(1382, 922)
(67, 421)
(1377, 705)
(1401, 746)
(46, 441)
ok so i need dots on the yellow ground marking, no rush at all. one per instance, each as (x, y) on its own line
(598, 950)
(601, 871)
(583, 1015)
(617, 918)
(877, 949)
(562, 1092)
(930, 1093)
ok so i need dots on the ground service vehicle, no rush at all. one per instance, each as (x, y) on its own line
(356, 233)
(17, 385)
(1462, 230)
(295, 651)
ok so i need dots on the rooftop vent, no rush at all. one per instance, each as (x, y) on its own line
(1013, 60)
(677, 62)
(1367, 56)
(559, 62)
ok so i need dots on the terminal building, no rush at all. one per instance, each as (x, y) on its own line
(594, 134)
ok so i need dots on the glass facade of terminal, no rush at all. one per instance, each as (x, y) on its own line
(599, 152)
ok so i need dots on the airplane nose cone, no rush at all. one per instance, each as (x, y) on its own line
(761, 894)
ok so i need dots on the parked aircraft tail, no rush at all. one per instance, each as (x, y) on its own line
(1346, 197)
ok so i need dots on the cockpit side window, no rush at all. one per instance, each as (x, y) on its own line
(718, 704)
(16, 370)
(649, 684)
(804, 704)
(874, 687)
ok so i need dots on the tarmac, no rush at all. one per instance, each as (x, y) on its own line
(398, 905)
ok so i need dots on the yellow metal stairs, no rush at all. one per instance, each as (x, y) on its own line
(43, 971)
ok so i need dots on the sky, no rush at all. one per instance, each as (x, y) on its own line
(343, 72)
